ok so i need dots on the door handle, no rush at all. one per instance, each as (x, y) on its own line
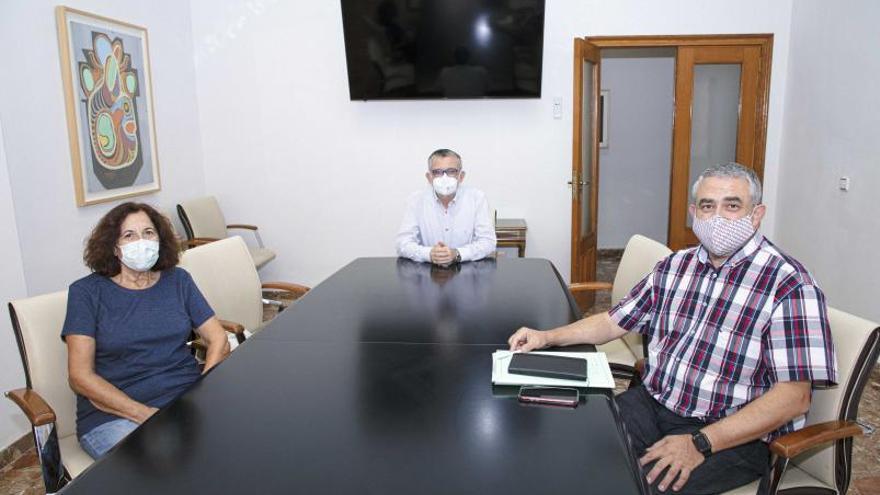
(579, 183)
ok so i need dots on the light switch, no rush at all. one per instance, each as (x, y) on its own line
(557, 107)
(843, 183)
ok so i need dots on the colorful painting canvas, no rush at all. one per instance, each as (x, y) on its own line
(106, 74)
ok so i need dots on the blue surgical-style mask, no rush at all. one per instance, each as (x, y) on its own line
(140, 255)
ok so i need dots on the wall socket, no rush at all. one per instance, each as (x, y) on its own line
(843, 183)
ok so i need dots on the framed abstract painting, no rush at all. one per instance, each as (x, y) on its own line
(105, 67)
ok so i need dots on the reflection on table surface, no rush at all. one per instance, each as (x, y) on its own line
(398, 300)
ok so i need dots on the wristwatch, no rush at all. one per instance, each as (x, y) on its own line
(701, 442)
(457, 256)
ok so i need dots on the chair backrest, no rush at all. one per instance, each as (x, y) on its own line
(202, 217)
(174, 229)
(224, 272)
(37, 323)
(857, 342)
(639, 258)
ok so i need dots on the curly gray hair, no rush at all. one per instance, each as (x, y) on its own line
(732, 170)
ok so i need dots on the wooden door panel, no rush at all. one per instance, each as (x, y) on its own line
(585, 166)
(749, 134)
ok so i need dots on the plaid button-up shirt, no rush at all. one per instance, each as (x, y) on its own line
(721, 337)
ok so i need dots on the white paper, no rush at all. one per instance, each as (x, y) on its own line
(598, 372)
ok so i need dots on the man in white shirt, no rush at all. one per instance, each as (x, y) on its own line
(447, 222)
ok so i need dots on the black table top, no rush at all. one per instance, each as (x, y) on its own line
(398, 300)
(390, 404)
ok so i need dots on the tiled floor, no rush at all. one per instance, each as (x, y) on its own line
(20, 475)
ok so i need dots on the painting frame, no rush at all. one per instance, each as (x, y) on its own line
(110, 120)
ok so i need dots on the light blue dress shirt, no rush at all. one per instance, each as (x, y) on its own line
(465, 225)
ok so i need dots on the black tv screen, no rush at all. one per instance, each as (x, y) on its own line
(404, 49)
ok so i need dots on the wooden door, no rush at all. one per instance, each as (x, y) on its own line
(585, 167)
(719, 92)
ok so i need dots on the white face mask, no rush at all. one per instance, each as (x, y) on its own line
(445, 185)
(722, 236)
(140, 255)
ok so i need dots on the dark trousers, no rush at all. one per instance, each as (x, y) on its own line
(648, 421)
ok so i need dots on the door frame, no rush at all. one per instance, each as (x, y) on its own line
(584, 248)
(763, 41)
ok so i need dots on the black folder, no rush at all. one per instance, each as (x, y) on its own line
(543, 365)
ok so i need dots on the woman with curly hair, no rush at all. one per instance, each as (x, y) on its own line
(127, 327)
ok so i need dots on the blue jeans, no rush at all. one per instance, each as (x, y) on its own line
(103, 437)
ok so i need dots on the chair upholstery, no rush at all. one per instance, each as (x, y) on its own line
(38, 321)
(640, 256)
(260, 255)
(794, 478)
(181, 239)
(202, 218)
(74, 457)
(225, 274)
(857, 342)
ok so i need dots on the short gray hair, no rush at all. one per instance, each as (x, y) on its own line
(443, 153)
(735, 171)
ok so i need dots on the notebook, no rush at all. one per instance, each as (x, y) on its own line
(598, 371)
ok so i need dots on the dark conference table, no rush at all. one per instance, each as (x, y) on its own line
(378, 381)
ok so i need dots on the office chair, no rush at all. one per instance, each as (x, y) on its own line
(640, 256)
(225, 274)
(47, 400)
(203, 222)
(818, 458)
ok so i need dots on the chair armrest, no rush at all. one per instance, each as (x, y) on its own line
(33, 406)
(296, 289)
(241, 226)
(640, 366)
(796, 442)
(638, 369)
(232, 327)
(585, 286)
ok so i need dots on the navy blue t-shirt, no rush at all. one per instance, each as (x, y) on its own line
(140, 338)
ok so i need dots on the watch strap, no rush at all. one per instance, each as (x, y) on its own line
(702, 443)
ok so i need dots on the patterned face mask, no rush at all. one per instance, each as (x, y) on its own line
(723, 236)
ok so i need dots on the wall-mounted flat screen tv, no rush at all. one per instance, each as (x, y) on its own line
(432, 49)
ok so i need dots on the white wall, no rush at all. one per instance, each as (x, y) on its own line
(44, 252)
(52, 228)
(831, 128)
(326, 178)
(634, 168)
(12, 423)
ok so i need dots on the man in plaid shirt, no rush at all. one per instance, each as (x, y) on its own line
(738, 337)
